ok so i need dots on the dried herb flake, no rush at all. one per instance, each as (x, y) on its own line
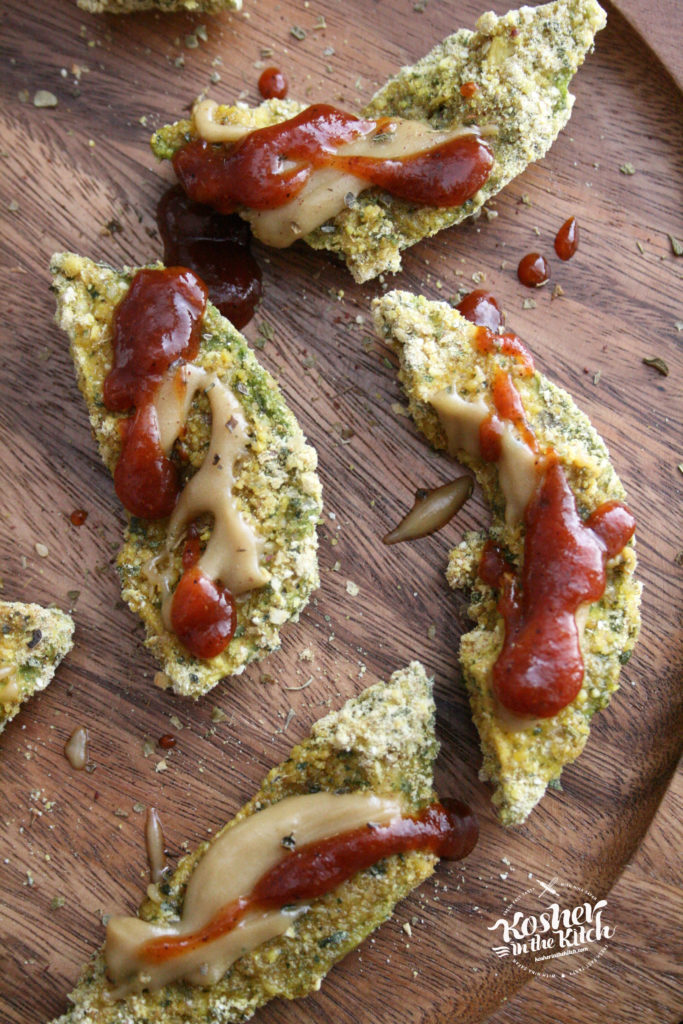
(658, 364)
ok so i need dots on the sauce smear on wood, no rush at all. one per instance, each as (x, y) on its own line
(216, 247)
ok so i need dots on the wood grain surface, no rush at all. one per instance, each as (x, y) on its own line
(70, 171)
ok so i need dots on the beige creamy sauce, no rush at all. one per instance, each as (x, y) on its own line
(76, 748)
(154, 840)
(229, 869)
(461, 421)
(328, 189)
(233, 551)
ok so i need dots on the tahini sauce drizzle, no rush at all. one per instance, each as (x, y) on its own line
(230, 868)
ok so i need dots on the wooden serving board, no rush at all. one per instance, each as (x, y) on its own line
(70, 171)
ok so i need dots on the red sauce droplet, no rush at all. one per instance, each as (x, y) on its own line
(156, 323)
(533, 270)
(567, 239)
(216, 247)
(167, 741)
(78, 516)
(480, 307)
(468, 89)
(272, 84)
(202, 614)
(449, 830)
(249, 173)
(540, 669)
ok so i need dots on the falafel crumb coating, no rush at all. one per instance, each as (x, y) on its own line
(166, 6)
(33, 641)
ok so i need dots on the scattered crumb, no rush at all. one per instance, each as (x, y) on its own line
(43, 98)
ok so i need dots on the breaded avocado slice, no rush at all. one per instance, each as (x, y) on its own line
(435, 347)
(132, 6)
(520, 66)
(276, 490)
(33, 641)
(381, 742)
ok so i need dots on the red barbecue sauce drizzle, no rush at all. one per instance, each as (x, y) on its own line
(78, 516)
(155, 324)
(540, 669)
(202, 611)
(249, 173)
(158, 324)
(567, 239)
(448, 829)
(216, 247)
(480, 307)
(272, 84)
(533, 270)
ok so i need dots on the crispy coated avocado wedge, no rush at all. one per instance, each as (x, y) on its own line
(132, 6)
(434, 346)
(380, 742)
(33, 641)
(521, 65)
(277, 489)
